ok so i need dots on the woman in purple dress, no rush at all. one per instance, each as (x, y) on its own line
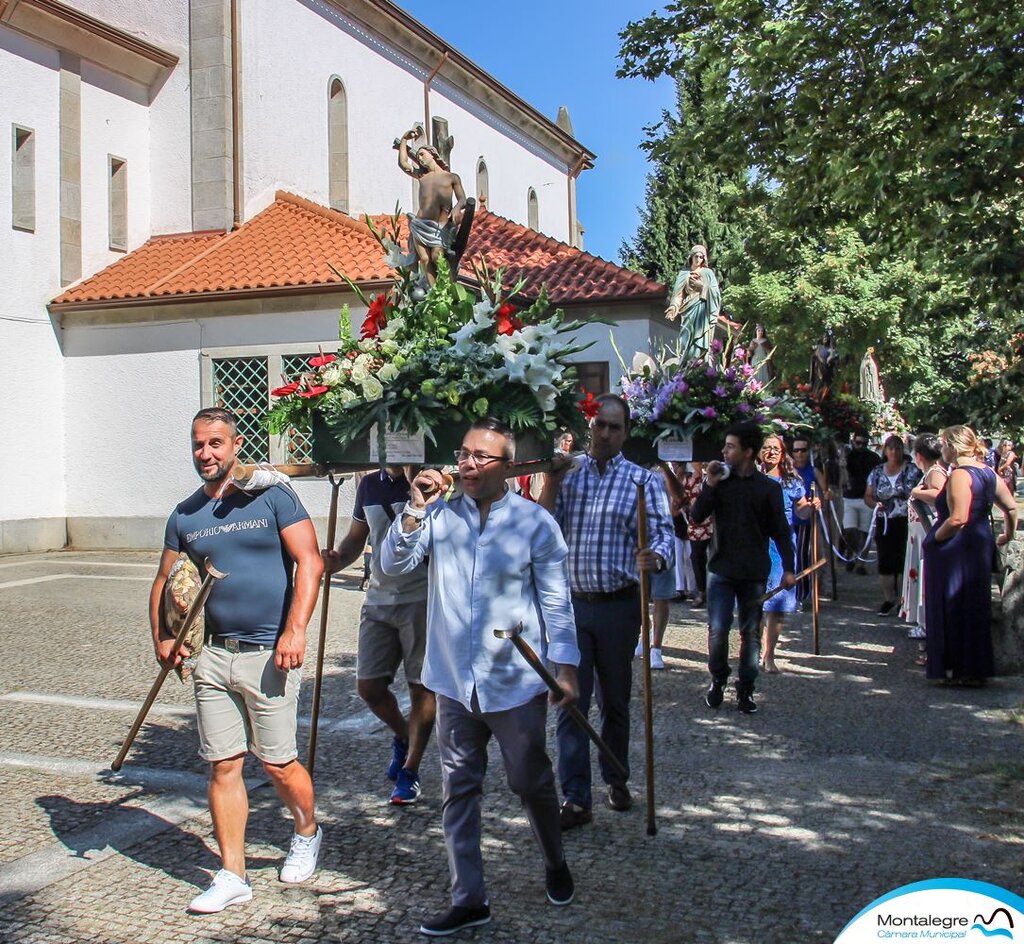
(958, 560)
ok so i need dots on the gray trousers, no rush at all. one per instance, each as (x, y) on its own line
(462, 737)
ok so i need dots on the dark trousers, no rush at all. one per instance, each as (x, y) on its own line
(725, 596)
(607, 634)
(699, 559)
(462, 736)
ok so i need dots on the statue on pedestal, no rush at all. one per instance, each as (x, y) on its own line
(823, 365)
(871, 388)
(697, 301)
(760, 355)
(438, 226)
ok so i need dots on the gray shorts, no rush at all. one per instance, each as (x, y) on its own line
(390, 634)
(243, 702)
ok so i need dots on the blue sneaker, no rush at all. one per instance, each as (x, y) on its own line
(407, 789)
(399, 751)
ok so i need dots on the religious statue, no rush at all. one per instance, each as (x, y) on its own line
(823, 365)
(437, 226)
(697, 301)
(760, 355)
(871, 388)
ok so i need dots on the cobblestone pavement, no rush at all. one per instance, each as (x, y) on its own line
(854, 778)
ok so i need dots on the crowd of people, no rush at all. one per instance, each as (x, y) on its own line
(558, 560)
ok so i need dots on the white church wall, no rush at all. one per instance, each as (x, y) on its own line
(284, 103)
(32, 489)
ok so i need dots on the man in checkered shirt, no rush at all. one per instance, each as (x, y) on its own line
(596, 508)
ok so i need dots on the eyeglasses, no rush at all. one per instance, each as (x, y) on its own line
(463, 457)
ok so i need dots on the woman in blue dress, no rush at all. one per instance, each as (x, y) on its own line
(777, 465)
(958, 560)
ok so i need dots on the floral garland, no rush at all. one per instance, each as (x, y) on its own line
(422, 361)
(675, 396)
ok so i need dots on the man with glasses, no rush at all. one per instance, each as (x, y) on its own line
(497, 561)
(860, 460)
(596, 507)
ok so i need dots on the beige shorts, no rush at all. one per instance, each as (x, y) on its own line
(243, 702)
(390, 634)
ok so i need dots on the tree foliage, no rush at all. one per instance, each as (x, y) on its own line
(687, 203)
(903, 119)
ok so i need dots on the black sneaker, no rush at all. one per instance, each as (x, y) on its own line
(619, 797)
(886, 608)
(572, 815)
(713, 697)
(456, 919)
(559, 885)
(745, 702)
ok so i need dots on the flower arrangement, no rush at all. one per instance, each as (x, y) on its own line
(836, 415)
(424, 360)
(888, 421)
(677, 396)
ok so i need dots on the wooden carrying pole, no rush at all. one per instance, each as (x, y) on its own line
(212, 574)
(645, 636)
(325, 603)
(806, 572)
(815, 589)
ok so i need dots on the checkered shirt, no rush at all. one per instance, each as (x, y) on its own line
(597, 515)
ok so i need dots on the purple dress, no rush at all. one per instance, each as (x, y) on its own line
(958, 589)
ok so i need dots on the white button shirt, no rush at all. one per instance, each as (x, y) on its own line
(515, 570)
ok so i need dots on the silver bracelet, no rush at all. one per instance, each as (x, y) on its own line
(418, 513)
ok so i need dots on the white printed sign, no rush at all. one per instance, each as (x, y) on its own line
(675, 450)
(401, 447)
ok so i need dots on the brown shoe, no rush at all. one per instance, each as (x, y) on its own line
(572, 815)
(619, 798)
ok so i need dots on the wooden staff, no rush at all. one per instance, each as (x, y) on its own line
(815, 591)
(645, 637)
(325, 602)
(212, 574)
(806, 572)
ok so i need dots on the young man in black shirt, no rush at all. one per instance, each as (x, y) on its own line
(856, 515)
(748, 510)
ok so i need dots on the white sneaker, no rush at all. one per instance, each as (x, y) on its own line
(300, 863)
(225, 889)
(657, 662)
(916, 632)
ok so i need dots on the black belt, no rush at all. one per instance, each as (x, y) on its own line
(606, 596)
(235, 645)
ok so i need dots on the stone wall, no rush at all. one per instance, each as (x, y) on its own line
(1008, 611)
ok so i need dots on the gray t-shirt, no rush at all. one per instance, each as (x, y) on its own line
(377, 494)
(241, 534)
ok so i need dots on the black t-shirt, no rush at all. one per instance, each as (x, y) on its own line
(859, 464)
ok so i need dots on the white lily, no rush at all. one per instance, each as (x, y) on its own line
(642, 362)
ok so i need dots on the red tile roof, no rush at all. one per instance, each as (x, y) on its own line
(293, 243)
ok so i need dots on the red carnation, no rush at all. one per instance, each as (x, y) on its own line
(588, 406)
(376, 317)
(323, 360)
(313, 391)
(507, 322)
(286, 389)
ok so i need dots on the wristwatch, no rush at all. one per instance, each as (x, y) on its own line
(418, 513)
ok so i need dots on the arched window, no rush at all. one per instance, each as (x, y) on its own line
(337, 144)
(532, 210)
(482, 183)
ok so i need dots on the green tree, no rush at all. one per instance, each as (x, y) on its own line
(801, 286)
(686, 202)
(903, 119)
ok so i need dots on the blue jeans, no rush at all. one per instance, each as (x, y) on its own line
(607, 634)
(723, 596)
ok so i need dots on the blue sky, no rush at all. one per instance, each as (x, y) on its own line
(564, 52)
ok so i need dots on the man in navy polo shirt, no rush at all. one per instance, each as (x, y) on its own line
(392, 629)
(247, 676)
